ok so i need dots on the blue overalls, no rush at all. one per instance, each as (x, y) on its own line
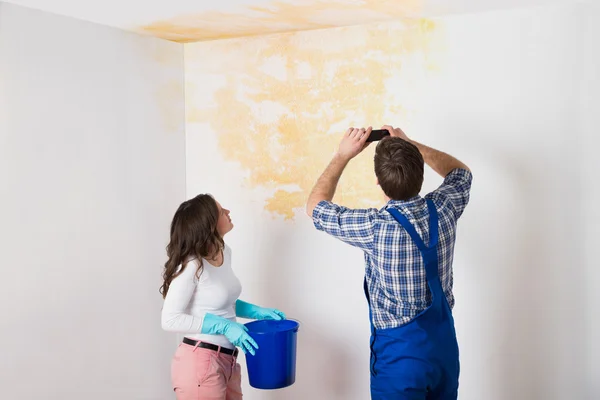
(418, 360)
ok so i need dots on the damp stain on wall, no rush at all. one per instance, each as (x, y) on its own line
(279, 104)
(164, 65)
(169, 95)
(277, 17)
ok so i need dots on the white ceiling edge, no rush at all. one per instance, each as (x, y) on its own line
(129, 15)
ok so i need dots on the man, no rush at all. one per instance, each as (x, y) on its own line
(408, 247)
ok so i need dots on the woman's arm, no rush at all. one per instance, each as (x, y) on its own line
(173, 316)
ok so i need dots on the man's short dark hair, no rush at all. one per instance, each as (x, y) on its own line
(399, 168)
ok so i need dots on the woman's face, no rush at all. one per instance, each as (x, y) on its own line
(224, 223)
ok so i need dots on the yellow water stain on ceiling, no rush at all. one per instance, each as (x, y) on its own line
(277, 17)
(279, 104)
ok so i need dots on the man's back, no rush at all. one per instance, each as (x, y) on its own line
(395, 272)
(407, 278)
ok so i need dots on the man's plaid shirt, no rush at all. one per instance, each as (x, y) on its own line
(395, 272)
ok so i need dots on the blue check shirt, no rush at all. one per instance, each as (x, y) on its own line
(394, 270)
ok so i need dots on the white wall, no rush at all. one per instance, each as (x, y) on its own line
(590, 213)
(507, 102)
(520, 309)
(92, 168)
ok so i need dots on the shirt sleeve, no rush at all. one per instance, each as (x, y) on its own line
(352, 226)
(454, 193)
(174, 317)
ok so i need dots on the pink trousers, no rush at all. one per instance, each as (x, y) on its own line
(203, 374)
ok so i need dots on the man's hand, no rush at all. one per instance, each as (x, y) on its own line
(353, 142)
(396, 132)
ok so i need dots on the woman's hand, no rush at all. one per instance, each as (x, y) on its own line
(252, 311)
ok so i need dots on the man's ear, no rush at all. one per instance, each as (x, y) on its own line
(377, 181)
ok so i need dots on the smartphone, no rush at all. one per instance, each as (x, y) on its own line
(377, 134)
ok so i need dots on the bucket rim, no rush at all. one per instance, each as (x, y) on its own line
(293, 328)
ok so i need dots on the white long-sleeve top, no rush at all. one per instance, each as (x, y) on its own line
(189, 298)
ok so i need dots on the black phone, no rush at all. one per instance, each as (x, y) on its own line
(377, 134)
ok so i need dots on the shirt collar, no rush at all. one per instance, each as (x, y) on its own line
(413, 201)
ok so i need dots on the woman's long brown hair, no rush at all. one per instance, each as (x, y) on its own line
(193, 235)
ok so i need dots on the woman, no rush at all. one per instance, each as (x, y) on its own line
(200, 292)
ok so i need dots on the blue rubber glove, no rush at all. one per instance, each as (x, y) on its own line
(251, 311)
(234, 332)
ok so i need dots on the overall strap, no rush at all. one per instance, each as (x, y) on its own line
(402, 220)
(429, 253)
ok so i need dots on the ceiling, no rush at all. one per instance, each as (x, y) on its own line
(196, 20)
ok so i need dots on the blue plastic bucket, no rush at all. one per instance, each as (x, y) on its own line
(274, 364)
